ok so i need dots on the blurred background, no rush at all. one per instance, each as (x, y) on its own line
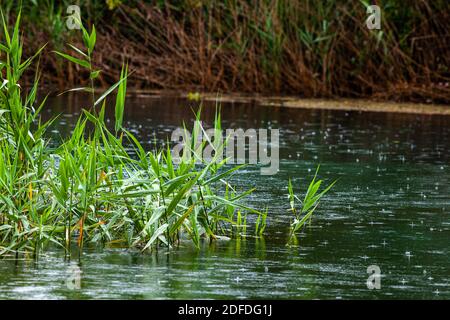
(306, 48)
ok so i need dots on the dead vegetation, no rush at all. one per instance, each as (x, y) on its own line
(305, 48)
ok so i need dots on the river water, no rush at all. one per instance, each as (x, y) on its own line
(390, 209)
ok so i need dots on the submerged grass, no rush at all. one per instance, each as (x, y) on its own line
(309, 204)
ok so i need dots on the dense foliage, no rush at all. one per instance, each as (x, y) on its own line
(309, 48)
(92, 187)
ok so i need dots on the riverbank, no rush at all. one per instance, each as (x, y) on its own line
(362, 105)
(308, 48)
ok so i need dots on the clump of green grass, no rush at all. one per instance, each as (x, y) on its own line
(261, 223)
(304, 212)
(90, 188)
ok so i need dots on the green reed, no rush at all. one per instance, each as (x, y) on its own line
(90, 188)
(303, 213)
(93, 189)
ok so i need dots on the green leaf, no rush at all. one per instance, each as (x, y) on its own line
(78, 50)
(85, 89)
(180, 221)
(120, 98)
(155, 235)
(222, 175)
(92, 39)
(94, 74)
(107, 92)
(82, 63)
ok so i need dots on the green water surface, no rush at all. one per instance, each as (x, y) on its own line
(390, 208)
